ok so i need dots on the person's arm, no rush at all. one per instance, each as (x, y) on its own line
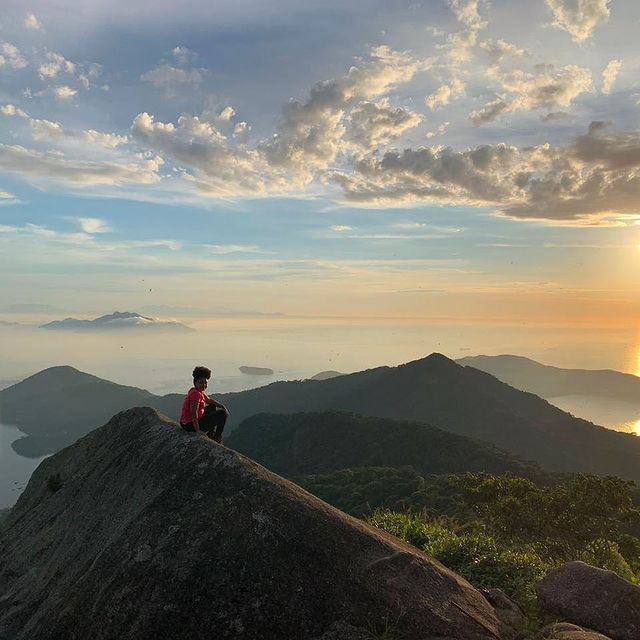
(193, 411)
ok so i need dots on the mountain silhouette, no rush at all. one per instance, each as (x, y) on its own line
(140, 531)
(549, 382)
(434, 390)
(116, 321)
(312, 443)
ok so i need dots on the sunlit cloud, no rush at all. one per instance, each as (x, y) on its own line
(579, 18)
(31, 22)
(610, 74)
(94, 225)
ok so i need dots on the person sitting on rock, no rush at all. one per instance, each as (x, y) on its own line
(201, 414)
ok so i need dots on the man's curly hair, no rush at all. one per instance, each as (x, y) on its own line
(201, 372)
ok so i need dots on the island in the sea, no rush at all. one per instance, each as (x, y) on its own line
(256, 371)
(116, 321)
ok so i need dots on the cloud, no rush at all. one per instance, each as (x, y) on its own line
(64, 92)
(225, 249)
(466, 12)
(497, 50)
(341, 228)
(445, 93)
(593, 180)
(93, 225)
(7, 198)
(171, 78)
(46, 130)
(610, 74)
(579, 17)
(373, 124)
(31, 22)
(227, 114)
(553, 116)
(55, 65)
(12, 110)
(35, 165)
(98, 138)
(312, 133)
(241, 131)
(184, 55)
(338, 117)
(441, 130)
(54, 131)
(489, 111)
(10, 54)
(547, 87)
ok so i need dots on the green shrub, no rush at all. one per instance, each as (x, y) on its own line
(606, 555)
(478, 557)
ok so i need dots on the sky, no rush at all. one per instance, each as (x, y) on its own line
(456, 160)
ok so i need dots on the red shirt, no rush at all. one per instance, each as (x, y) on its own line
(194, 395)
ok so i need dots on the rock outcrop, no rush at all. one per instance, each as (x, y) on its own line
(566, 631)
(593, 598)
(142, 531)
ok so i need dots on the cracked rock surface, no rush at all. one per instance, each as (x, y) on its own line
(142, 531)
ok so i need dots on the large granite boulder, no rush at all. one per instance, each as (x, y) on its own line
(593, 598)
(141, 531)
(566, 631)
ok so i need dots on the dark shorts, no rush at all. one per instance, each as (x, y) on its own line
(213, 420)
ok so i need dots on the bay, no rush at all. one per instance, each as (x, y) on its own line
(15, 470)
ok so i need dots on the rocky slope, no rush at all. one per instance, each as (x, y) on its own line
(142, 531)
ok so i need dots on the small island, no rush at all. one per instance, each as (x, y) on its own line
(256, 371)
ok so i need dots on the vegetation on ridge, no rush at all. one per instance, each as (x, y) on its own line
(498, 531)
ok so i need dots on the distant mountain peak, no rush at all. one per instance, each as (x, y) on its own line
(434, 360)
(117, 320)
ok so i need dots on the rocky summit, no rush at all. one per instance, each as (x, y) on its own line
(142, 531)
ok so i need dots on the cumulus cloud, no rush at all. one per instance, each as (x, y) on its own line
(241, 131)
(547, 87)
(312, 133)
(198, 145)
(344, 115)
(373, 124)
(497, 50)
(93, 225)
(183, 55)
(591, 180)
(46, 130)
(64, 92)
(11, 110)
(10, 55)
(445, 93)
(227, 114)
(579, 17)
(171, 78)
(610, 74)
(466, 11)
(31, 22)
(54, 131)
(441, 130)
(55, 65)
(98, 138)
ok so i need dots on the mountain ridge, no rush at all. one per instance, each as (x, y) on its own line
(434, 390)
